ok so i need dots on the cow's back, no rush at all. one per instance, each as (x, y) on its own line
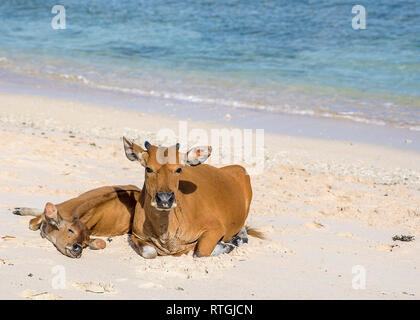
(106, 211)
(240, 174)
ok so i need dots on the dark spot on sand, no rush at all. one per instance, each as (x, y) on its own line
(403, 238)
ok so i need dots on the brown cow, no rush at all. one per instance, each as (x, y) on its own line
(105, 211)
(186, 206)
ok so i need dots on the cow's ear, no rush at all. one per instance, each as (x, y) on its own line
(133, 151)
(197, 155)
(52, 215)
(97, 244)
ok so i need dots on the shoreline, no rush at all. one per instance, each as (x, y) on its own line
(305, 126)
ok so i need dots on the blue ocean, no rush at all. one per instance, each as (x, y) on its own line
(294, 57)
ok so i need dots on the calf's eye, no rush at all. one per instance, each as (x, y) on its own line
(71, 231)
(149, 170)
(179, 170)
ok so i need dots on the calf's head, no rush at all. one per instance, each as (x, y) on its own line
(163, 169)
(69, 237)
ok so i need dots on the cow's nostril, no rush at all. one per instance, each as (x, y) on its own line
(76, 248)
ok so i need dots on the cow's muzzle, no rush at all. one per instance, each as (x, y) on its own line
(164, 200)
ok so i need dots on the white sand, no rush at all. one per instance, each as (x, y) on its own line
(325, 207)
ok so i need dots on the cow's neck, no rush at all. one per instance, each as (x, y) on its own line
(159, 221)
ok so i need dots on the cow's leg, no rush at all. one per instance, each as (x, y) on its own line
(35, 223)
(226, 247)
(208, 242)
(24, 211)
(222, 247)
(145, 250)
(97, 244)
(241, 236)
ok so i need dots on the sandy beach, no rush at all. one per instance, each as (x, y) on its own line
(328, 209)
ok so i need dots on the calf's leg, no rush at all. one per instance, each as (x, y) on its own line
(35, 223)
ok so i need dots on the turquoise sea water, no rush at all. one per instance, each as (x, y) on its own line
(299, 57)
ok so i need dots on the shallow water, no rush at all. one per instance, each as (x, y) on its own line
(296, 57)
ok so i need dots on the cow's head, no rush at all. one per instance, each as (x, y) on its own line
(163, 169)
(69, 237)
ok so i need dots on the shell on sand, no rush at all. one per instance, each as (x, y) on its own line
(95, 287)
(33, 295)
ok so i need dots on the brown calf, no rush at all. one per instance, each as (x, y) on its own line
(186, 206)
(105, 211)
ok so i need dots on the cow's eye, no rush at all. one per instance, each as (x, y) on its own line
(71, 231)
(179, 170)
(149, 170)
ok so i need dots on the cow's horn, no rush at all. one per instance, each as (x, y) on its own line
(147, 145)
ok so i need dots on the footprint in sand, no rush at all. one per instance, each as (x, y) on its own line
(33, 295)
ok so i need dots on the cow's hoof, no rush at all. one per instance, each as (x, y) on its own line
(17, 211)
(221, 248)
(236, 241)
(148, 252)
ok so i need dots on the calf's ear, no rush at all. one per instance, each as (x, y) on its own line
(97, 244)
(197, 155)
(52, 215)
(133, 151)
